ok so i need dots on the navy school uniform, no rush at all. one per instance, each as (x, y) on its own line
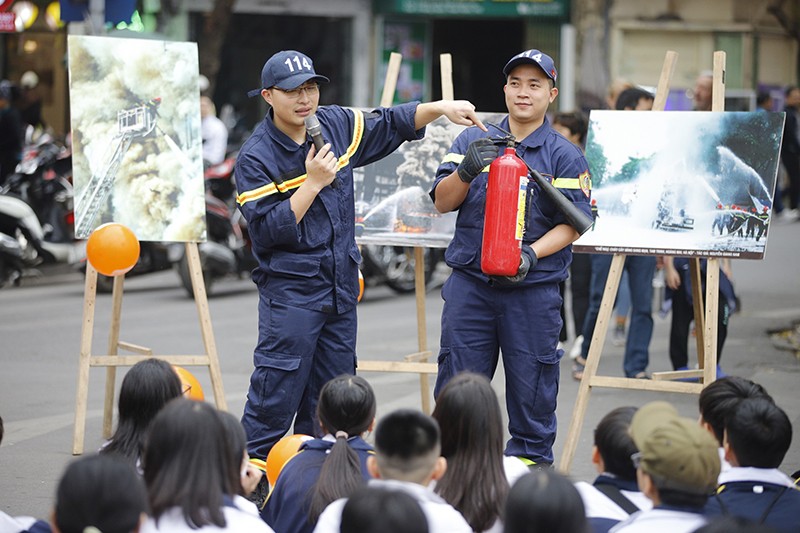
(307, 274)
(523, 321)
(774, 505)
(286, 509)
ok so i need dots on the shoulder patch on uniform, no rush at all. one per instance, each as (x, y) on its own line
(585, 183)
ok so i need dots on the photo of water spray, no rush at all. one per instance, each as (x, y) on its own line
(682, 183)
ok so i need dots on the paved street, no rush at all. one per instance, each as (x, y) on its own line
(40, 327)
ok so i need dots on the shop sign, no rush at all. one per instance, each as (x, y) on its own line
(475, 8)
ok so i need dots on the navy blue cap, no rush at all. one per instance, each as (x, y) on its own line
(535, 57)
(287, 70)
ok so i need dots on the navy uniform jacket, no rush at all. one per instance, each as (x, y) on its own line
(774, 505)
(313, 264)
(286, 509)
(555, 158)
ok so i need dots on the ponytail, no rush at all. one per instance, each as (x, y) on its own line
(346, 409)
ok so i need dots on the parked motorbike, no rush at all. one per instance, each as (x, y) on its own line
(23, 244)
(43, 179)
(227, 249)
(396, 266)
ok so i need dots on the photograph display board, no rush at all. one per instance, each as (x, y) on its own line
(392, 202)
(696, 184)
(137, 147)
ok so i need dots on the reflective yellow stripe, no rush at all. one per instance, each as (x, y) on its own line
(258, 463)
(566, 183)
(344, 160)
(453, 158)
(358, 134)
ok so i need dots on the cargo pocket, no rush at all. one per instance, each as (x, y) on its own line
(278, 384)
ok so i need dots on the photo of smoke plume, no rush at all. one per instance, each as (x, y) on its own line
(135, 113)
(682, 183)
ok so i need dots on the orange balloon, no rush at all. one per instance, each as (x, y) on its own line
(112, 249)
(189, 385)
(360, 285)
(279, 455)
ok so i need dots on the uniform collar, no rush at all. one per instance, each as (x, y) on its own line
(621, 484)
(278, 136)
(536, 138)
(751, 474)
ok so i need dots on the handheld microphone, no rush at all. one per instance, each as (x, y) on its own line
(314, 129)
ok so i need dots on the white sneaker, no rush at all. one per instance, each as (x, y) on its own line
(577, 345)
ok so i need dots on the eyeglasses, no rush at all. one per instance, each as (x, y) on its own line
(312, 89)
(636, 459)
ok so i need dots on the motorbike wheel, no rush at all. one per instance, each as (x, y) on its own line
(398, 264)
(186, 276)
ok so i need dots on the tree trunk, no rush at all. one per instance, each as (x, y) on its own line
(210, 43)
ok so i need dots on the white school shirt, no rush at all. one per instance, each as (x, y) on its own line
(243, 518)
(442, 517)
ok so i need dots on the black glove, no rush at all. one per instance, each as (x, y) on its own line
(527, 262)
(480, 153)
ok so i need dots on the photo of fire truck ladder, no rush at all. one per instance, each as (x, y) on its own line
(138, 121)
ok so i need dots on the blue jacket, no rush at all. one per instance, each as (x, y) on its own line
(775, 505)
(313, 264)
(286, 508)
(556, 159)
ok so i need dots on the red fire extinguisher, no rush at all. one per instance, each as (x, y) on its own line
(504, 220)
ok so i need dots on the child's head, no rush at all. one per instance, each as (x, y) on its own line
(614, 444)
(145, 389)
(186, 462)
(407, 448)
(544, 501)
(471, 427)
(469, 416)
(720, 397)
(379, 510)
(100, 491)
(346, 409)
(237, 444)
(346, 403)
(758, 433)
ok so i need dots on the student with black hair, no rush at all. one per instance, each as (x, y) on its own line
(757, 436)
(545, 502)
(379, 510)
(249, 475)
(99, 493)
(719, 399)
(145, 389)
(677, 466)
(614, 495)
(478, 475)
(188, 476)
(328, 468)
(407, 459)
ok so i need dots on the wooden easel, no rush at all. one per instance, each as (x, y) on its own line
(415, 362)
(112, 360)
(705, 322)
